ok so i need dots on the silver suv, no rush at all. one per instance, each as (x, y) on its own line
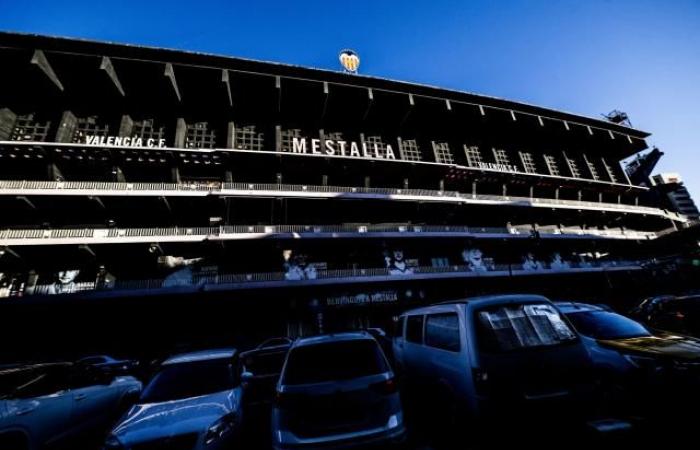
(336, 390)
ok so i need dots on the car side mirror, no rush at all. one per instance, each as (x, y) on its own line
(246, 376)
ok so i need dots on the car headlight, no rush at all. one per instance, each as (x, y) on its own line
(644, 362)
(221, 428)
(112, 443)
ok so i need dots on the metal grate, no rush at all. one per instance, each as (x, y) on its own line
(247, 138)
(442, 152)
(145, 129)
(528, 162)
(473, 155)
(573, 167)
(409, 150)
(591, 168)
(609, 170)
(501, 156)
(552, 165)
(200, 136)
(287, 138)
(27, 129)
(88, 126)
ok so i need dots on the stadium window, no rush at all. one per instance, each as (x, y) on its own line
(409, 150)
(287, 138)
(88, 126)
(501, 156)
(27, 129)
(371, 142)
(473, 155)
(442, 153)
(528, 162)
(552, 165)
(247, 138)
(199, 136)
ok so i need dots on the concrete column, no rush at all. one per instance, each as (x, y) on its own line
(230, 135)
(7, 123)
(66, 128)
(175, 174)
(118, 174)
(126, 126)
(278, 138)
(556, 193)
(532, 192)
(54, 173)
(442, 185)
(367, 181)
(180, 133)
(228, 176)
(473, 188)
(505, 190)
(405, 183)
(324, 180)
(580, 195)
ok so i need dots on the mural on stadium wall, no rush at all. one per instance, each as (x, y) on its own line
(475, 261)
(398, 264)
(297, 267)
(558, 263)
(184, 275)
(530, 263)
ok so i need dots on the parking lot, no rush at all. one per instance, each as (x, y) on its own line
(464, 374)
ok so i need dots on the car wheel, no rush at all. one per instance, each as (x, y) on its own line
(14, 441)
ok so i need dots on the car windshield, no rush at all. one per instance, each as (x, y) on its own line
(192, 379)
(334, 361)
(606, 325)
(513, 327)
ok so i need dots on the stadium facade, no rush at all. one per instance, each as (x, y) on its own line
(130, 173)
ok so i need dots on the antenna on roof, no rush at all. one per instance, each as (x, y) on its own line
(618, 117)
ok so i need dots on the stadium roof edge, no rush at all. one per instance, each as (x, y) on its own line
(124, 50)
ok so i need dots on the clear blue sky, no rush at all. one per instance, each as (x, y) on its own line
(587, 57)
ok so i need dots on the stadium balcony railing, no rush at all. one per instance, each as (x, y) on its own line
(238, 188)
(274, 279)
(224, 232)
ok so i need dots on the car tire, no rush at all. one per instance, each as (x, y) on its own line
(14, 441)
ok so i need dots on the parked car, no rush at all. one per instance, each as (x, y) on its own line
(110, 364)
(636, 360)
(679, 314)
(384, 340)
(493, 356)
(44, 405)
(193, 402)
(336, 390)
(261, 370)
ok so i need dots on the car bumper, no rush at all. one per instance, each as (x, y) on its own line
(381, 438)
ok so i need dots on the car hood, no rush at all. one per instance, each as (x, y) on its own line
(147, 421)
(664, 345)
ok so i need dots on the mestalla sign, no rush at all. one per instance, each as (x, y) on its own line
(330, 147)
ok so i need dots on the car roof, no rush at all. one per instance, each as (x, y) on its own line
(569, 307)
(201, 355)
(482, 300)
(332, 337)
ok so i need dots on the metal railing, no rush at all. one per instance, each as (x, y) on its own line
(231, 231)
(199, 282)
(238, 188)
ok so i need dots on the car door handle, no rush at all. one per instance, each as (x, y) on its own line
(24, 411)
(79, 397)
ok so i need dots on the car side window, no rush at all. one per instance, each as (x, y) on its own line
(414, 329)
(42, 384)
(442, 331)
